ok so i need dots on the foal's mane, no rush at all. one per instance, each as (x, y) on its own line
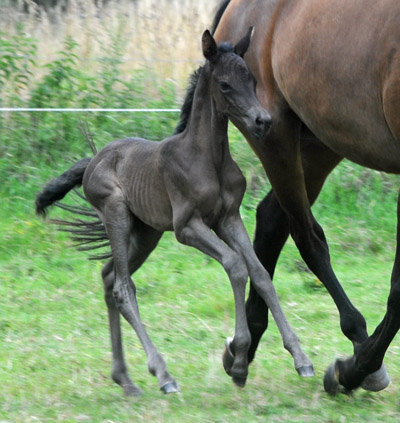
(193, 80)
(187, 104)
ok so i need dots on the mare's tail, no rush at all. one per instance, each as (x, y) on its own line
(87, 234)
(59, 187)
(218, 15)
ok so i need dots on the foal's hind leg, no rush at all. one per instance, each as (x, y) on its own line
(144, 243)
(119, 370)
(120, 226)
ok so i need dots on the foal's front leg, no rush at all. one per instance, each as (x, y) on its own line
(196, 234)
(233, 232)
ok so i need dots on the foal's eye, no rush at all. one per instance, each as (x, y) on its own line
(225, 87)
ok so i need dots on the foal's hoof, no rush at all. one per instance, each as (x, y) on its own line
(227, 356)
(376, 381)
(306, 371)
(124, 381)
(239, 381)
(331, 380)
(170, 388)
(132, 391)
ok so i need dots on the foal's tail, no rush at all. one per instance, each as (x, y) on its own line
(59, 187)
(88, 233)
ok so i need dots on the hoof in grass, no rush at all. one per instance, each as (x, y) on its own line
(227, 356)
(306, 371)
(376, 381)
(170, 388)
(132, 391)
(331, 380)
(239, 381)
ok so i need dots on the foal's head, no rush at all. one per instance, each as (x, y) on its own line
(233, 86)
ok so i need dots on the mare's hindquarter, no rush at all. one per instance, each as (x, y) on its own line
(336, 64)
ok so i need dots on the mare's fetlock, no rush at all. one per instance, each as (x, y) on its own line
(354, 326)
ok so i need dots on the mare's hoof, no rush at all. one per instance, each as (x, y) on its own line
(331, 380)
(306, 371)
(227, 357)
(376, 381)
(170, 388)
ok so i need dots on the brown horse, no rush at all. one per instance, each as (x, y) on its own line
(328, 72)
(187, 183)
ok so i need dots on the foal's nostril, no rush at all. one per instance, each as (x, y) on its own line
(260, 121)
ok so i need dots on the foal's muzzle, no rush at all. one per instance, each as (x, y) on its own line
(258, 122)
(261, 122)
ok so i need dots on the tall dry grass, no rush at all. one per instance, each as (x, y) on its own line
(163, 35)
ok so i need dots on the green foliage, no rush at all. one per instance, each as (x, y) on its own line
(16, 60)
(60, 87)
(45, 139)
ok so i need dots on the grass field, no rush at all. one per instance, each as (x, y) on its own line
(54, 347)
(55, 359)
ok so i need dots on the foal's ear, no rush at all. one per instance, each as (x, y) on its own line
(242, 46)
(210, 49)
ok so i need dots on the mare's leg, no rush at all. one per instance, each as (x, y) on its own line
(368, 358)
(196, 234)
(272, 228)
(232, 230)
(281, 158)
(145, 240)
(120, 224)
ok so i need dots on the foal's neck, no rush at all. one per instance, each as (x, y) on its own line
(207, 128)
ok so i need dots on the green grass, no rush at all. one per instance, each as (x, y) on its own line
(55, 356)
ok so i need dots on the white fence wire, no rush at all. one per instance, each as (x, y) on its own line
(89, 110)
